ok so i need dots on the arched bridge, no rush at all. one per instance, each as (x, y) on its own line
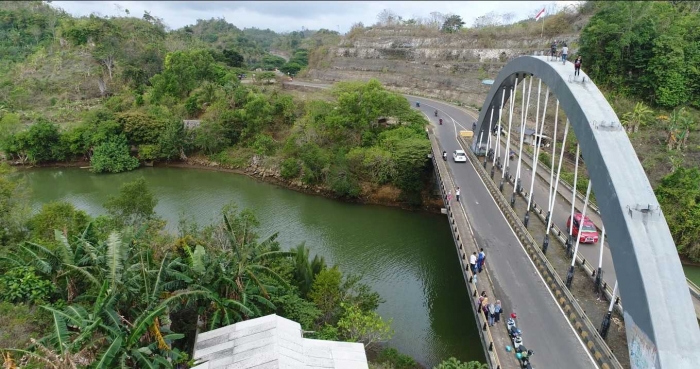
(658, 310)
(640, 255)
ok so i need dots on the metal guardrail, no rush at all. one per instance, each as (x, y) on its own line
(575, 314)
(460, 241)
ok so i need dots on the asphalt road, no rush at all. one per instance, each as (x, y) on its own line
(516, 281)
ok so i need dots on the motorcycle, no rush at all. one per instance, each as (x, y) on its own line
(524, 358)
(417, 104)
(440, 121)
(444, 155)
(436, 113)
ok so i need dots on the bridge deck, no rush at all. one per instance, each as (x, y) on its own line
(516, 281)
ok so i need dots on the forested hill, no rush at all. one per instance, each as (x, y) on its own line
(52, 59)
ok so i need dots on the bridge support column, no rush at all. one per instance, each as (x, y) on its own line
(545, 244)
(570, 277)
(527, 218)
(605, 325)
(598, 280)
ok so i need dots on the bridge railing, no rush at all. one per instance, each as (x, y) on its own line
(575, 314)
(465, 244)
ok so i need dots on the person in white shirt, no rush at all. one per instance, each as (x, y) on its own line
(472, 262)
(564, 52)
(457, 194)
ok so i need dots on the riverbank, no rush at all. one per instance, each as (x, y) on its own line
(384, 195)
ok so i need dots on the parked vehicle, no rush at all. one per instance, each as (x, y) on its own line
(585, 230)
(459, 156)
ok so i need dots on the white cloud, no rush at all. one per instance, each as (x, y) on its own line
(285, 16)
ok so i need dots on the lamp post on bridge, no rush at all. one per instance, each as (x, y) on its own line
(570, 275)
(605, 325)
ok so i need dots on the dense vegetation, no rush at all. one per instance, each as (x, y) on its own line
(646, 55)
(117, 290)
(149, 80)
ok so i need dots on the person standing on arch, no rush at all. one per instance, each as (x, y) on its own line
(577, 66)
(564, 52)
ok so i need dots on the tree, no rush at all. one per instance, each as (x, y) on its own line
(326, 293)
(133, 205)
(14, 205)
(290, 68)
(264, 77)
(233, 58)
(183, 72)
(640, 115)
(59, 215)
(211, 137)
(387, 18)
(452, 24)
(679, 197)
(366, 327)
(112, 156)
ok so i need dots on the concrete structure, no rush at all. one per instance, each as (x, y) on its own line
(659, 316)
(273, 342)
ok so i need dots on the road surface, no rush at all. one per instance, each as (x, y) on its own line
(519, 286)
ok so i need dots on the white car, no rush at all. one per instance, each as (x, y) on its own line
(459, 156)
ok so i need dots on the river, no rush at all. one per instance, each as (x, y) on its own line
(409, 258)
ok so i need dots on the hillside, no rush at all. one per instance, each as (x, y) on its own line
(643, 56)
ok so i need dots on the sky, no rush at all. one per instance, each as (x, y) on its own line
(287, 16)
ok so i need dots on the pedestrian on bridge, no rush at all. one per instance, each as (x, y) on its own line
(492, 314)
(457, 194)
(481, 300)
(497, 312)
(472, 262)
(480, 260)
(449, 196)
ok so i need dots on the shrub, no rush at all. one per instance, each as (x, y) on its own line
(22, 285)
(396, 359)
(264, 145)
(290, 168)
(113, 156)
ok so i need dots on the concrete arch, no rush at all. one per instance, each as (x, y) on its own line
(659, 312)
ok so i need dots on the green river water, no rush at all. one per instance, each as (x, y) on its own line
(409, 258)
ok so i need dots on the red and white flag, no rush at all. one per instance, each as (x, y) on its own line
(540, 14)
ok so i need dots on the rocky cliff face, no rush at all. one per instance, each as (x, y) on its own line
(425, 62)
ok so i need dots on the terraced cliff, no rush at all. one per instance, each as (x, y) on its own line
(416, 60)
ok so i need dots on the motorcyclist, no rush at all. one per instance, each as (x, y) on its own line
(473, 126)
(436, 113)
(512, 154)
(417, 104)
(440, 121)
(444, 155)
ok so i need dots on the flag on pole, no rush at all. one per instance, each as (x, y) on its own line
(540, 14)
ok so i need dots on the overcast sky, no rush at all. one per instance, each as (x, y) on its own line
(285, 16)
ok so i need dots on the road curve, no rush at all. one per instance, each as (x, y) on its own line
(516, 281)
